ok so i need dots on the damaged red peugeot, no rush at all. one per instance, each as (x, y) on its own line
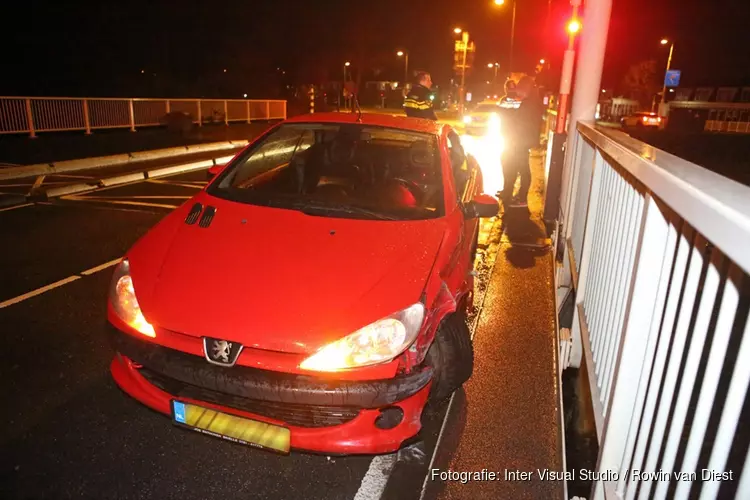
(312, 297)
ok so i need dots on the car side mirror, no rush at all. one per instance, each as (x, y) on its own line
(483, 205)
(212, 171)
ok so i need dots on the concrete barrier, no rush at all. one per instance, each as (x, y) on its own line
(68, 190)
(179, 169)
(122, 179)
(114, 160)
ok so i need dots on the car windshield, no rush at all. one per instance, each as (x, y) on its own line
(339, 170)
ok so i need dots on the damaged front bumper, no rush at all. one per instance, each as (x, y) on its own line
(328, 416)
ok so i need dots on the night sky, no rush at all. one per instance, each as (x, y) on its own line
(100, 48)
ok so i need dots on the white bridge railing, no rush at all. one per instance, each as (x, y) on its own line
(657, 251)
(49, 114)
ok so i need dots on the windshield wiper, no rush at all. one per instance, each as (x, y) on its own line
(313, 208)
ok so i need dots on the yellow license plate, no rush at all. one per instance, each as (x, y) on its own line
(230, 427)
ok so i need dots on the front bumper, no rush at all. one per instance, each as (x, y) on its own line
(327, 416)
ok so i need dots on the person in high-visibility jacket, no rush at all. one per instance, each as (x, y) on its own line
(418, 103)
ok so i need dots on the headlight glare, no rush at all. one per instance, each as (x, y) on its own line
(467, 119)
(124, 302)
(378, 342)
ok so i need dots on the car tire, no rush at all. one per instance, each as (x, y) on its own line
(452, 357)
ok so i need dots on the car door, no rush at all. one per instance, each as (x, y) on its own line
(465, 179)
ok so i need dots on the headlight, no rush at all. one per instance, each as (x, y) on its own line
(494, 119)
(123, 300)
(378, 342)
(467, 119)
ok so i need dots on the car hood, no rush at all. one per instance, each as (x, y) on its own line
(278, 279)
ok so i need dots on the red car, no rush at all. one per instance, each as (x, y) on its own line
(313, 295)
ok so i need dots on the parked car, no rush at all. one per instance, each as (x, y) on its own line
(313, 295)
(641, 119)
(485, 116)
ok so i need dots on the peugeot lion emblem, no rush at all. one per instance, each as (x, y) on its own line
(221, 352)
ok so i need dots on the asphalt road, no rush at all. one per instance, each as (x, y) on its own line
(69, 432)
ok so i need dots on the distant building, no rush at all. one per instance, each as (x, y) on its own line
(711, 109)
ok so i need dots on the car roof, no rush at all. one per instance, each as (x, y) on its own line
(373, 119)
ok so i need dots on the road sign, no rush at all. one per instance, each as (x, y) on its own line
(458, 56)
(672, 78)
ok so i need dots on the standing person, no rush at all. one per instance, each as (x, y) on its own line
(521, 130)
(417, 103)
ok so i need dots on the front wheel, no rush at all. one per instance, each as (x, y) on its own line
(451, 355)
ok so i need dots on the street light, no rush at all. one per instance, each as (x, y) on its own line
(465, 42)
(542, 61)
(343, 85)
(405, 55)
(512, 32)
(496, 66)
(664, 41)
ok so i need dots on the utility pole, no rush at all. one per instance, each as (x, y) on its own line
(556, 152)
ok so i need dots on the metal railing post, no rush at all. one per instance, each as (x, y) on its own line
(200, 118)
(651, 248)
(168, 106)
(588, 75)
(226, 113)
(247, 107)
(132, 115)
(30, 119)
(86, 120)
(268, 110)
(284, 110)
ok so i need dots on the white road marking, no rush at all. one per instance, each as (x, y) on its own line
(15, 207)
(56, 284)
(93, 270)
(99, 207)
(376, 477)
(38, 291)
(116, 202)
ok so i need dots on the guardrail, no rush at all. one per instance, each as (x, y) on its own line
(656, 250)
(50, 114)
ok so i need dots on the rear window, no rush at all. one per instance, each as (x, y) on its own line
(339, 170)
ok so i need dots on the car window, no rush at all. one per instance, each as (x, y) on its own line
(458, 162)
(277, 151)
(349, 168)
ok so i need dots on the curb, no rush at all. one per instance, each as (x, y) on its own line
(114, 160)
